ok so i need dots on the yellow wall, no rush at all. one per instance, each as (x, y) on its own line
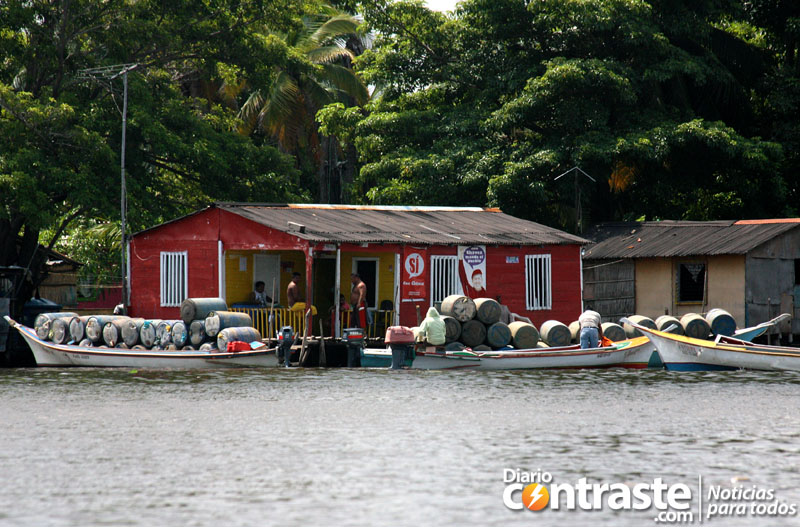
(653, 286)
(239, 284)
(385, 274)
(726, 284)
(656, 282)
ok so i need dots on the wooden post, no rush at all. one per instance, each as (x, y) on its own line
(270, 319)
(303, 348)
(419, 317)
(323, 359)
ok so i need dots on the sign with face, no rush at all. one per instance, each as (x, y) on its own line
(472, 270)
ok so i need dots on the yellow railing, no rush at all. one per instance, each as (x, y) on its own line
(381, 319)
(281, 317)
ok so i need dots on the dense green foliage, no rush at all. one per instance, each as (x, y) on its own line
(679, 109)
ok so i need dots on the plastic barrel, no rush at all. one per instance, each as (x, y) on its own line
(244, 334)
(43, 323)
(209, 346)
(721, 322)
(523, 335)
(219, 320)
(164, 332)
(498, 334)
(95, 325)
(473, 333)
(130, 331)
(482, 347)
(86, 343)
(695, 326)
(147, 333)
(613, 332)
(454, 346)
(575, 331)
(179, 333)
(542, 344)
(459, 307)
(197, 332)
(112, 332)
(139, 347)
(664, 322)
(555, 333)
(59, 330)
(632, 332)
(487, 310)
(452, 329)
(199, 308)
(77, 328)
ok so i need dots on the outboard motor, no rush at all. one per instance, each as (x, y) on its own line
(285, 342)
(354, 338)
(400, 340)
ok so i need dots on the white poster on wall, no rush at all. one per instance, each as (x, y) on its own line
(472, 270)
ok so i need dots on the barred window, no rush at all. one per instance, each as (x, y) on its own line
(538, 282)
(174, 278)
(444, 278)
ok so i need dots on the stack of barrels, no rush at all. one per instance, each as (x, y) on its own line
(205, 325)
(476, 324)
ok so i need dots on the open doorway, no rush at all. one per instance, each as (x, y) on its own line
(267, 269)
(367, 269)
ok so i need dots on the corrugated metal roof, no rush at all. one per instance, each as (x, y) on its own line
(386, 224)
(682, 238)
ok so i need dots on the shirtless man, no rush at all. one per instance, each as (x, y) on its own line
(358, 299)
(293, 291)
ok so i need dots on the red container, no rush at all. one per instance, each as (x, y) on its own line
(399, 335)
(238, 345)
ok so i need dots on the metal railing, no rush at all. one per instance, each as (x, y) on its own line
(381, 319)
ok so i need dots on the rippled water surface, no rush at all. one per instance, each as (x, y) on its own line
(82, 447)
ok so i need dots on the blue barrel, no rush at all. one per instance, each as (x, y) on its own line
(199, 308)
(219, 320)
(721, 322)
(243, 334)
(498, 335)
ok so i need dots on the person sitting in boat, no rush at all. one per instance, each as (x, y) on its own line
(591, 329)
(259, 296)
(432, 329)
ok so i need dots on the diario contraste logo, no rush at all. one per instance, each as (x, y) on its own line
(672, 502)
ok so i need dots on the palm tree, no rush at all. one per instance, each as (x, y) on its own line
(316, 71)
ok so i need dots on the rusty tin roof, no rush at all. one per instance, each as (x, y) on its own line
(400, 224)
(682, 238)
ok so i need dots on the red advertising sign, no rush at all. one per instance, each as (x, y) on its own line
(412, 281)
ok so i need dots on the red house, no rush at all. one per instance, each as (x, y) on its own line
(407, 256)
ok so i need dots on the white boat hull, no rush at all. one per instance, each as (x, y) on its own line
(50, 354)
(687, 354)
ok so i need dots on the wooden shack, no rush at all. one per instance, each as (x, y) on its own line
(750, 268)
(409, 257)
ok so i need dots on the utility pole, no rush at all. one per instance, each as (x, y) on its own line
(577, 171)
(110, 73)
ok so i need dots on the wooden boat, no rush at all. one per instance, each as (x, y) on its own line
(49, 353)
(683, 353)
(538, 358)
(753, 332)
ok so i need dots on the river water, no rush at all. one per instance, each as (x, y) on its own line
(84, 447)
